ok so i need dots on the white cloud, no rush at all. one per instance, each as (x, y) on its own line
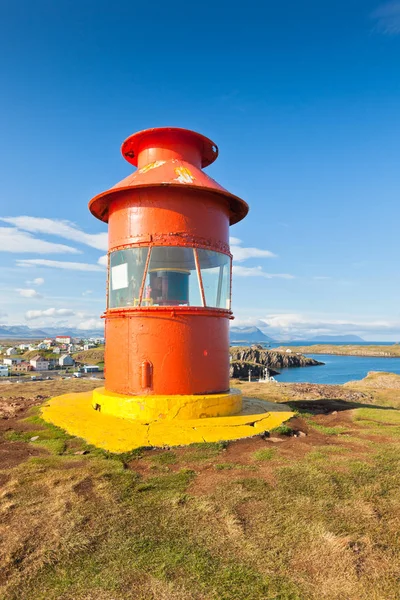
(240, 254)
(64, 229)
(14, 240)
(94, 323)
(240, 271)
(87, 292)
(387, 17)
(234, 241)
(103, 260)
(38, 281)
(49, 313)
(58, 264)
(28, 293)
(295, 325)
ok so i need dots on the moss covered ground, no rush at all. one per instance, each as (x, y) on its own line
(311, 512)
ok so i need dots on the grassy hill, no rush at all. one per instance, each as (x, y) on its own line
(347, 349)
(310, 513)
(94, 356)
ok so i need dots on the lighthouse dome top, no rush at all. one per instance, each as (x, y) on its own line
(170, 142)
(169, 157)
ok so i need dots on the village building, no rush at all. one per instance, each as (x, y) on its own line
(11, 351)
(39, 363)
(91, 369)
(3, 370)
(66, 360)
(23, 366)
(12, 361)
(63, 339)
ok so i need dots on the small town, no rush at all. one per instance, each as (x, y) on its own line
(49, 358)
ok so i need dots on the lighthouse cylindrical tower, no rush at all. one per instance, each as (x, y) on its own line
(169, 281)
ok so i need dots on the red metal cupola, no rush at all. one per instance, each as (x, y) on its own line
(169, 156)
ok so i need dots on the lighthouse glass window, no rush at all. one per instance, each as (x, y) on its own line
(172, 278)
(126, 276)
(216, 277)
(169, 276)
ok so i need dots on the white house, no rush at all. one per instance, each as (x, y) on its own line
(23, 346)
(91, 369)
(12, 361)
(88, 346)
(3, 370)
(56, 350)
(63, 339)
(48, 341)
(66, 360)
(39, 363)
(10, 351)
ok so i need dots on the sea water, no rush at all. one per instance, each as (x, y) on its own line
(338, 369)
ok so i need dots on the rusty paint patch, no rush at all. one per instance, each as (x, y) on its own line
(153, 165)
(184, 175)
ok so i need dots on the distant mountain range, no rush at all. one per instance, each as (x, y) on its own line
(248, 334)
(24, 332)
(337, 338)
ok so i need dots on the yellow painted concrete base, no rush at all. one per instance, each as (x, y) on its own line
(75, 414)
(156, 407)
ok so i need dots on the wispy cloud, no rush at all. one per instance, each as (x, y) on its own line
(103, 260)
(48, 313)
(387, 18)
(28, 293)
(21, 242)
(64, 229)
(58, 264)
(36, 281)
(240, 253)
(240, 271)
(94, 323)
(292, 325)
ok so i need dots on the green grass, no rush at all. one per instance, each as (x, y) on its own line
(327, 430)
(282, 430)
(171, 525)
(165, 458)
(264, 454)
(205, 451)
(386, 416)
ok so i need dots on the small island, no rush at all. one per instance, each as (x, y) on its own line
(346, 350)
(258, 359)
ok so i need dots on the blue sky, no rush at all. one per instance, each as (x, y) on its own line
(302, 99)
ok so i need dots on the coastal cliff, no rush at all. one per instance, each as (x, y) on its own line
(257, 359)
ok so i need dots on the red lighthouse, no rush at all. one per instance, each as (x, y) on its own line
(168, 306)
(169, 278)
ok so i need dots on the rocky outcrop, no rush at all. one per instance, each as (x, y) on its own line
(256, 358)
(239, 369)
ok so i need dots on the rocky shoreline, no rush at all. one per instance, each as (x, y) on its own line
(257, 359)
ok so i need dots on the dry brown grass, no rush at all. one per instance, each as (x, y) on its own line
(47, 389)
(318, 520)
(93, 356)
